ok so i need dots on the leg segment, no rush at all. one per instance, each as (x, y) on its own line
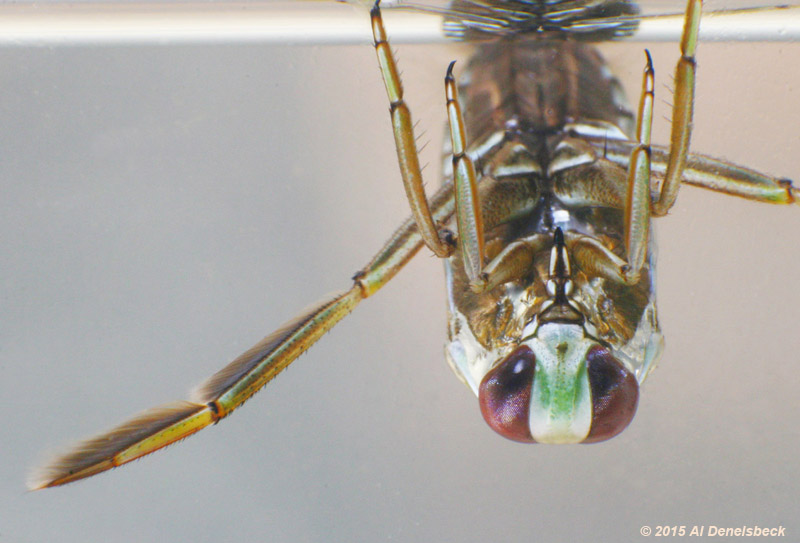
(720, 176)
(590, 254)
(682, 110)
(595, 259)
(468, 206)
(404, 141)
(708, 172)
(230, 387)
(512, 263)
(637, 206)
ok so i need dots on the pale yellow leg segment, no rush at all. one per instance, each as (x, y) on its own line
(637, 207)
(682, 110)
(238, 381)
(406, 145)
(708, 173)
(468, 205)
(720, 176)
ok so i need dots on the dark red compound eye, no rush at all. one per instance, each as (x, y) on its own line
(615, 395)
(505, 395)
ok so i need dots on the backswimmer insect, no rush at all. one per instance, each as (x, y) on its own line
(545, 228)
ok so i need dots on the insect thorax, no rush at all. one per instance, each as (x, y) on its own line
(528, 104)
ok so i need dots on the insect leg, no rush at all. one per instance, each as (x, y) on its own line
(468, 205)
(595, 259)
(637, 206)
(709, 173)
(230, 387)
(682, 109)
(721, 176)
(512, 263)
(403, 128)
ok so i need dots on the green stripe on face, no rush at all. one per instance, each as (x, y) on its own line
(561, 404)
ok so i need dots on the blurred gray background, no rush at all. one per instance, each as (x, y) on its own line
(164, 207)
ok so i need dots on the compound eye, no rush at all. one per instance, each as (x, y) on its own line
(505, 395)
(615, 395)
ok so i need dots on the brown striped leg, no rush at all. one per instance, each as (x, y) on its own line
(682, 109)
(637, 206)
(407, 154)
(468, 205)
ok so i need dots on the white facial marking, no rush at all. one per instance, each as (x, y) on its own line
(561, 403)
